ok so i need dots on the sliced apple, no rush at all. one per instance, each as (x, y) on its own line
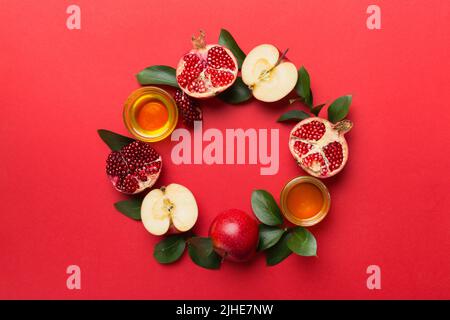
(172, 207)
(269, 79)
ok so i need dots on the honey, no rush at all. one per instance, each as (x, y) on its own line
(150, 114)
(305, 201)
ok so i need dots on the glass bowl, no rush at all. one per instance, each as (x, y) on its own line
(139, 98)
(319, 216)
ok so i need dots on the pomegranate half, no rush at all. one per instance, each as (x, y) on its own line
(319, 146)
(206, 70)
(133, 168)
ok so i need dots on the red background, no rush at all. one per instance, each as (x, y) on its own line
(389, 205)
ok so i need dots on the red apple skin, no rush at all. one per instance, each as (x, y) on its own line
(234, 235)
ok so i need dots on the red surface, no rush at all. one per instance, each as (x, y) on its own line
(390, 206)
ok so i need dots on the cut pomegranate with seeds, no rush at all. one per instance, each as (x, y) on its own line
(134, 168)
(319, 146)
(188, 108)
(206, 70)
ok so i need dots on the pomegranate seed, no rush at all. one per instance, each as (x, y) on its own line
(193, 67)
(301, 148)
(316, 163)
(189, 110)
(313, 130)
(220, 78)
(218, 58)
(333, 152)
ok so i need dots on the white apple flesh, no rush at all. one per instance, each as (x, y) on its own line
(169, 208)
(268, 80)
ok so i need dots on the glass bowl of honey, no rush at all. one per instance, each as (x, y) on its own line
(305, 201)
(150, 114)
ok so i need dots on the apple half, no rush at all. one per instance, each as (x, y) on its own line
(169, 209)
(269, 79)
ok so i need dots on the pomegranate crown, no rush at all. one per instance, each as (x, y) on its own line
(343, 126)
(199, 41)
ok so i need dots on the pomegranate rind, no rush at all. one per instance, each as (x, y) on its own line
(309, 151)
(211, 91)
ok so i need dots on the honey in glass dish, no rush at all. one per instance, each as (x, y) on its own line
(305, 201)
(150, 114)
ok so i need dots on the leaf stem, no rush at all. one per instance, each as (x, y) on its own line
(294, 100)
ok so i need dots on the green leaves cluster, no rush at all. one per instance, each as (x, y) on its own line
(278, 242)
(200, 251)
(165, 75)
(337, 110)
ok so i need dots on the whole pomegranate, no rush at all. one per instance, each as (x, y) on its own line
(134, 168)
(206, 70)
(234, 235)
(319, 146)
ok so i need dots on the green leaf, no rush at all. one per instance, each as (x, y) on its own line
(158, 75)
(114, 141)
(202, 253)
(293, 115)
(303, 86)
(227, 40)
(265, 208)
(278, 252)
(268, 236)
(316, 110)
(311, 99)
(170, 249)
(131, 208)
(338, 110)
(237, 93)
(302, 242)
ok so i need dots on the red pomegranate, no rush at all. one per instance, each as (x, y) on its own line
(134, 168)
(234, 235)
(206, 70)
(319, 146)
(188, 107)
